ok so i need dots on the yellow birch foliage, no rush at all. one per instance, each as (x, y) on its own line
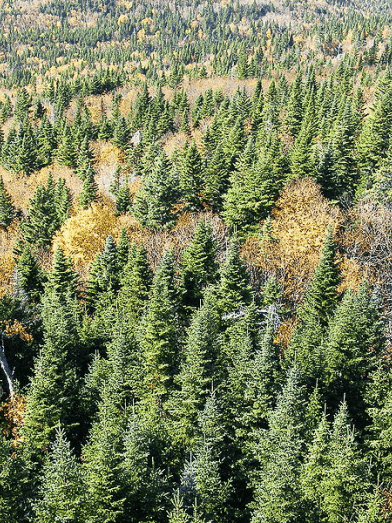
(83, 235)
(291, 250)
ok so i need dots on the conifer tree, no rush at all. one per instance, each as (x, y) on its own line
(123, 249)
(15, 470)
(61, 495)
(62, 279)
(191, 176)
(62, 199)
(199, 367)
(53, 391)
(154, 205)
(233, 290)
(158, 330)
(42, 219)
(318, 306)
(65, 154)
(278, 497)
(7, 210)
(198, 267)
(294, 112)
(144, 485)
(335, 476)
(135, 285)
(102, 460)
(89, 192)
(354, 342)
(29, 276)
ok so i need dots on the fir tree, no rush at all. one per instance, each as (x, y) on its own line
(61, 495)
(29, 276)
(89, 192)
(7, 210)
(62, 279)
(158, 330)
(154, 206)
(233, 289)
(278, 497)
(198, 267)
(191, 176)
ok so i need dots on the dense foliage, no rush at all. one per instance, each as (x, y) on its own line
(195, 233)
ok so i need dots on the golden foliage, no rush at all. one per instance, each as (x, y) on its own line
(83, 235)
(13, 411)
(284, 332)
(301, 218)
(14, 328)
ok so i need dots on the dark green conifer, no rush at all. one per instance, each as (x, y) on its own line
(61, 495)
(159, 330)
(198, 267)
(154, 205)
(233, 290)
(89, 192)
(7, 210)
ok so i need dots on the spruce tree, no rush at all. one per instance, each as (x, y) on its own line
(154, 205)
(61, 496)
(53, 392)
(278, 497)
(7, 210)
(135, 285)
(102, 460)
(191, 177)
(89, 192)
(233, 290)
(29, 276)
(198, 267)
(62, 279)
(158, 330)
(198, 369)
(353, 344)
(319, 303)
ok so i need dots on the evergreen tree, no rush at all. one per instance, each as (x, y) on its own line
(278, 497)
(29, 277)
(335, 476)
(65, 154)
(42, 219)
(354, 342)
(319, 303)
(123, 249)
(143, 484)
(191, 176)
(62, 199)
(62, 279)
(198, 369)
(198, 267)
(102, 460)
(61, 496)
(154, 206)
(233, 290)
(7, 210)
(89, 192)
(53, 391)
(135, 285)
(158, 330)
(294, 111)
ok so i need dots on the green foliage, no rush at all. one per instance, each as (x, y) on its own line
(7, 210)
(61, 496)
(154, 205)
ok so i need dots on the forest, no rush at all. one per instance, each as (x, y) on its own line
(195, 261)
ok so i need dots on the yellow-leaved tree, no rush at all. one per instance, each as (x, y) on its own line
(83, 235)
(291, 240)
